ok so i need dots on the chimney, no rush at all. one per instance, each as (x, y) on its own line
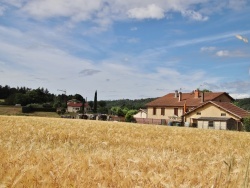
(196, 93)
(176, 94)
(180, 96)
(202, 97)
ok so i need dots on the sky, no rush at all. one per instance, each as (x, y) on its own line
(125, 49)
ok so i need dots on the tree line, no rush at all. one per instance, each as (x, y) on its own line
(25, 96)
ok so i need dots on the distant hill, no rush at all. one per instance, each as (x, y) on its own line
(128, 103)
(243, 103)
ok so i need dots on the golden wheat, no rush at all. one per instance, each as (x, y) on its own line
(47, 152)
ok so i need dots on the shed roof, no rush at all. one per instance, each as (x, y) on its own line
(231, 108)
(226, 106)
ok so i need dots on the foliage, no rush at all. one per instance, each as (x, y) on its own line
(118, 111)
(246, 124)
(129, 115)
(206, 91)
(79, 98)
(243, 103)
(91, 104)
(129, 103)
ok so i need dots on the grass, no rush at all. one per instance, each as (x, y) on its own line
(53, 152)
(17, 111)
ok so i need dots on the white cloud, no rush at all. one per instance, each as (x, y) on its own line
(79, 10)
(237, 4)
(193, 15)
(151, 11)
(105, 12)
(223, 53)
(208, 49)
(226, 53)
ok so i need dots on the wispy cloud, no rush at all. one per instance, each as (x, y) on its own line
(208, 49)
(226, 53)
(193, 15)
(208, 38)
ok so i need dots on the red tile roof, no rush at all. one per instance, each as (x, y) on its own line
(226, 106)
(74, 104)
(231, 108)
(169, 100)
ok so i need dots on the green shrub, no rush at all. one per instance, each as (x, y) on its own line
(26, 109)
(129, 116)
(246, 124)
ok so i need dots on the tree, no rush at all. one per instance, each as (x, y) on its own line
(79, 98)
(95, 103)
(246, 123)
(129, 116)
(91, 104)
(102, 103)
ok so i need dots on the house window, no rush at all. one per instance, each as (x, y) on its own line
(198, 113)
(154, 111)
(223, 114)
(210, 123)
(176, 111)
(163, 111)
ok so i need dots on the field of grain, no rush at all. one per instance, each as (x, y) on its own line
(54, 152)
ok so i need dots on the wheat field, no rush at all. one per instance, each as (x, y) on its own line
(54, 152)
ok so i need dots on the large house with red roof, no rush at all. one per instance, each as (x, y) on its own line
(211, 110)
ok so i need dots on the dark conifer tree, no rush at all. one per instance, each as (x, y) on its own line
(95, 103)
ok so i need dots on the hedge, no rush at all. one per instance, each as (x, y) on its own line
(28, 109)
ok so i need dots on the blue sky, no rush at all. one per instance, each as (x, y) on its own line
(125, 49)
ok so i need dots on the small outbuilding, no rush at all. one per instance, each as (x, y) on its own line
(216, 115)
(219, 123)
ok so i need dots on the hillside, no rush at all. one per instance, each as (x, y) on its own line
(130, 104)
(53, 152)
(243, 103)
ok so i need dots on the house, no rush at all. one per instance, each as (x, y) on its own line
(74, 105)
(216, 115)
(87, 108)
(142, 113)
(171, 107)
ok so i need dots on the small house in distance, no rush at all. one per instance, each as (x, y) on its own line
(74, 105)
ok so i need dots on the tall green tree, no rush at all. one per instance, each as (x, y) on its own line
(95, 103)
